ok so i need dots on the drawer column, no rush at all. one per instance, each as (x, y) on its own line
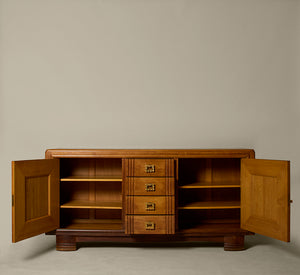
(149, 196)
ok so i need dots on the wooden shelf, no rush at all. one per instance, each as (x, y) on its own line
(109, 224)
(92, 178)
(211, 205)
(212, 228)
(211, 185)
(92, 205)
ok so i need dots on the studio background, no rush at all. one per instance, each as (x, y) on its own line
(148, 74)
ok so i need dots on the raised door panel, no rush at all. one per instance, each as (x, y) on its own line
(265, 197)
(35, 190)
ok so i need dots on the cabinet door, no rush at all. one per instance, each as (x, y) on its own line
(265, 197)
(35, 202)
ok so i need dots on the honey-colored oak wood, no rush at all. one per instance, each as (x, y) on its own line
(150, 205)
(212, 171)
(137, 224)
(150, 186)
(35, 190)
(91, 167)
(265, 197)
(160, 167)
(219, 228)
(110, 195)
(149, 153)
(211, 205)
(209, 196)
(96, 220)
(92, 205)
(210, 185)
(92, 178)
(108, 224)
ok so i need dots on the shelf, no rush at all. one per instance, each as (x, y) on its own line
(92, 205)
(109, 224)
(210, 185)
(211, 205)
(212, 228)
(92, 178)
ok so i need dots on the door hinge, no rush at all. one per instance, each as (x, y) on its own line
(12, 200)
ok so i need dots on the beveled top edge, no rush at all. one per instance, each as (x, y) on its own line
(151, 153)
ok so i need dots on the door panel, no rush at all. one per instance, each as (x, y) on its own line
(265, 197)
(35, 190)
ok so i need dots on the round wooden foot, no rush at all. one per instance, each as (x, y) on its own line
(234, 243)
(65, 243)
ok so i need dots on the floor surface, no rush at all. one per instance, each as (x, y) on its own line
(262, 256)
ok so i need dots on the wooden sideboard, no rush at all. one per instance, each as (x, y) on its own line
(134, 195)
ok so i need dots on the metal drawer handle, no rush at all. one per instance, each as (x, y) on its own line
(149, 187)
(149, 225)
(150, 206)
(149, 168)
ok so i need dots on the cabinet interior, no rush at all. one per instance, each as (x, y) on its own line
(91, 193)
(208, 194)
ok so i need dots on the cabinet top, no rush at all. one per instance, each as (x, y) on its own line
(149, 153)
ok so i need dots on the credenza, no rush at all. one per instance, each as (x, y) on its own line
(147, 195)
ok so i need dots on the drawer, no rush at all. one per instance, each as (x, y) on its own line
(150, 205)
(149, 186)
(150, 224)
(150, 168)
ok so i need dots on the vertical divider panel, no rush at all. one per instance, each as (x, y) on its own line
(176, 183)
(92, 187)
(124, 191)
(209, 178)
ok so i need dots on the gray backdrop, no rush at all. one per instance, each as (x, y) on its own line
(147, 74)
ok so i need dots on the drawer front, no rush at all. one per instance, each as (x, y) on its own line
(150, 224)
(150, 205)
(149, 186)
(150, 168)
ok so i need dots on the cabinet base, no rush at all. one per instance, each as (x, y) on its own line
(66, 242)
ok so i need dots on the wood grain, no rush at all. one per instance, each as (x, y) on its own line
(264, 188)
(92, 205)
(265, 197)
(162, 205)
(211, 205)
(37, 197)
(162, 167)
(137, 186)
(219, 228)
(35, 187)
(152, 153)
(105, 225)
(162, 224)
(196, 185)
(92, 178)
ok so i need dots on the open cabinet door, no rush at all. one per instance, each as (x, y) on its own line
(265, 197)
(35, 201)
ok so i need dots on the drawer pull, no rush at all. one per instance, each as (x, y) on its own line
(149, 187)
(150, 206)
(150, 226)
(149, 168)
